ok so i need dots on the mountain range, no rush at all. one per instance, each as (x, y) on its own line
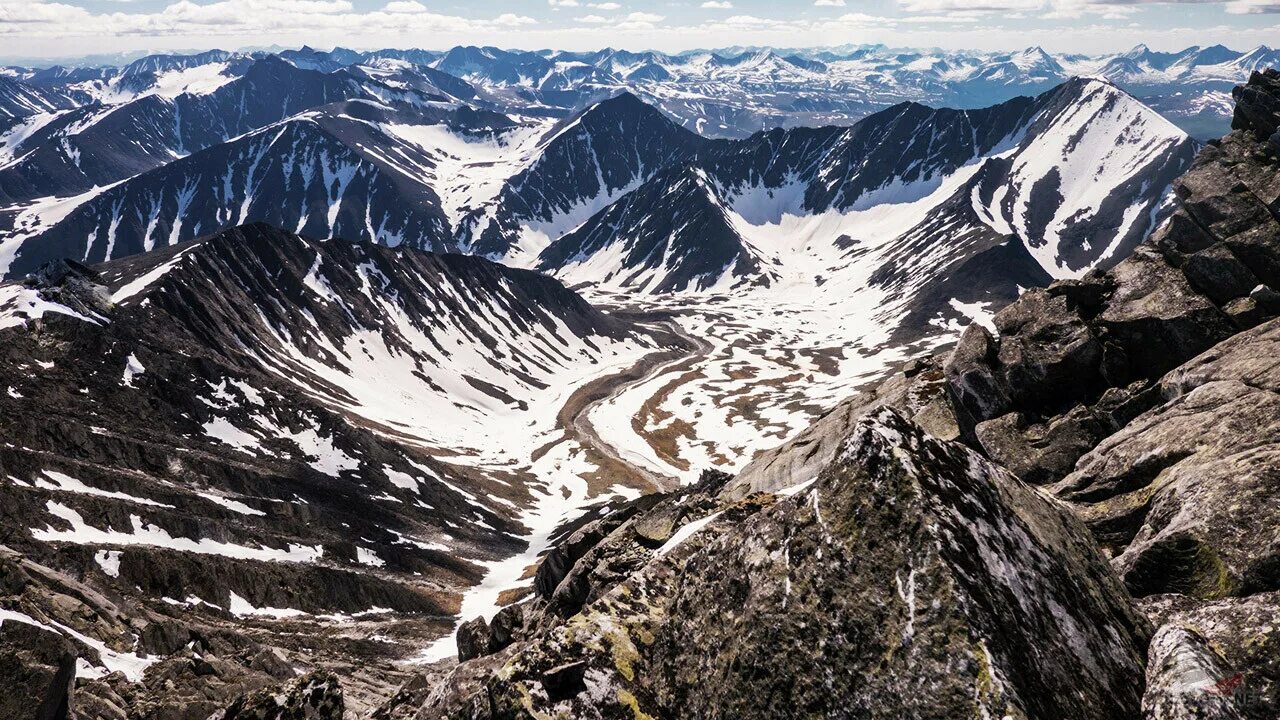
(719, 93)
(854, 246)
(755, 383)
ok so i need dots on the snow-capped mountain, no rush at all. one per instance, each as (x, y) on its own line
(70, 152)
(583, 164)
(444, 176)
(723, 93)
(19, 100)
(1075, 177)
(492, 66)
(357, 170)
(271, 433)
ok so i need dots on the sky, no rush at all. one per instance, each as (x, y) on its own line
(75, 28)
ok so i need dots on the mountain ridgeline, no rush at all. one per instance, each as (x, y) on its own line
(620, 196)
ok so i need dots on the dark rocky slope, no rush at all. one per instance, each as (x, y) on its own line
(197, 510)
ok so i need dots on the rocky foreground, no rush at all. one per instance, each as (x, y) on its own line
(1077, 516)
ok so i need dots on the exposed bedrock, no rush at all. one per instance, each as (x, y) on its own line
(911, 579)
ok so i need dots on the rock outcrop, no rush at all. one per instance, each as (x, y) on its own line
(316, 696)
(1188, 494)
(912, 578)
(1075, 362)
(1187, 679)
(37, 672)
(1244, 637)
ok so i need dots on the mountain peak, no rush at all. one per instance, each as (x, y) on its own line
(1139, 51)
(624, 104)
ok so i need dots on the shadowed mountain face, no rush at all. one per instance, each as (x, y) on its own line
(97, 145)
(19, 100)
(589, 161)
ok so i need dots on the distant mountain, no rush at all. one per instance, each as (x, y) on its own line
(19, 99)
(355, 170)
(1065, 182)
(97, 145)
(491, 66)
(728, 93)
(585, 163)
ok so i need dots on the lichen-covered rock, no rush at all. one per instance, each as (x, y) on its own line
(1039, 453)
(562, 558)
(472, 637)
(1258, 105)
(1187, 680)
(911, 579)
(315, 696)
(1188, 494)
(626, 548)
(1244, 633)
(1047, 348)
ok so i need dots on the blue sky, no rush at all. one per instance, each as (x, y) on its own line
(72, 28)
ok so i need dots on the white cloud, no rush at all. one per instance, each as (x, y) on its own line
(562, 3)
(717, 5)
(58, 27)
(513, 20)
(27, 22)
(1253, 7)
(969, 6)
(639, 21)
(404, 6)
(952, 17)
